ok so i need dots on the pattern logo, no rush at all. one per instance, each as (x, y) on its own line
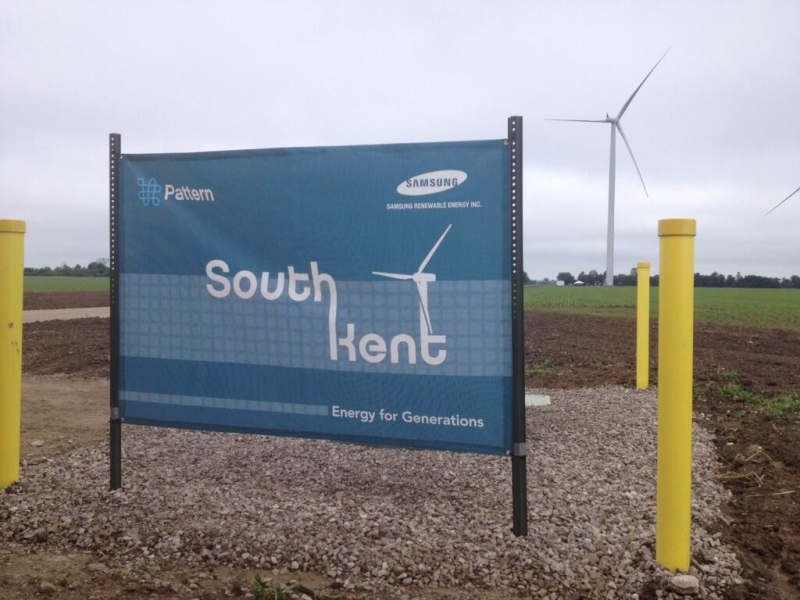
(149, 191)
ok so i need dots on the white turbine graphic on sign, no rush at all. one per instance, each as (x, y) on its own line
(422, 280)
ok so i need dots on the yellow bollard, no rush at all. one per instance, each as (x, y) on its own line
(12, 234)
(642, 325)
(675, 371)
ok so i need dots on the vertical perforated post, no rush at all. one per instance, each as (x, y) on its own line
(519, 478)
(115, 423)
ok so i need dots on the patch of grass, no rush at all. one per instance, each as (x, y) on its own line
(274, 590)
(543, 369)
(782, 406)
(732, 390)
(45, 283)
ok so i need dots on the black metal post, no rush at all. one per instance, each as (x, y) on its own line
(519, 475)
(115, 423)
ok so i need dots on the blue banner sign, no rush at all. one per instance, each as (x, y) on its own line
(354, 293)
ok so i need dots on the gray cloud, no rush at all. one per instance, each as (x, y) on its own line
(715, 129)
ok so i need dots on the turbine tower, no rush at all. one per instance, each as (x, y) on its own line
(422, 280)
(612, 167)
(782, 201)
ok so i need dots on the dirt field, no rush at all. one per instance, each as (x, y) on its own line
(65, 364)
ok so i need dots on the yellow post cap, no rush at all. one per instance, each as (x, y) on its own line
(8, 226)
(643, 265)
(677, 227)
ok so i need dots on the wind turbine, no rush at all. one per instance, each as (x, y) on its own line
(422, 280)
(782, 201)
(616, 125)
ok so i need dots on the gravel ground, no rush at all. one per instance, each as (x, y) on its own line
(389, 519)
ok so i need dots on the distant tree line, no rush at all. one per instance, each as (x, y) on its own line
(100, 268)
(713, 280)
(747, 281)
(97, 268)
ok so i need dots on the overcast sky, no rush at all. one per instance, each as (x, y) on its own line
(715, 130)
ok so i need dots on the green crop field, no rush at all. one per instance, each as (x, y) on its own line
(764, 308)
(770, 309)
(44, 283)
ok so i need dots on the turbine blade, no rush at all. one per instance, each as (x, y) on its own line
(580, 120)
(393, 275)
(625, 106)
(423, 304)
(628, 146)
(784, 200)
(433, 250)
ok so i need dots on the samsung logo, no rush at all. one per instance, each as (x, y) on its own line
(431, 183)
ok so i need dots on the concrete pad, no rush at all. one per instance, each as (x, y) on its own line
(536, 400)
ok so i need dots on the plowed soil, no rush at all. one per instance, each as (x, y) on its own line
(759, 451)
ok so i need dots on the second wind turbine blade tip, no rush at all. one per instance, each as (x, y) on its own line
(782, 201)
